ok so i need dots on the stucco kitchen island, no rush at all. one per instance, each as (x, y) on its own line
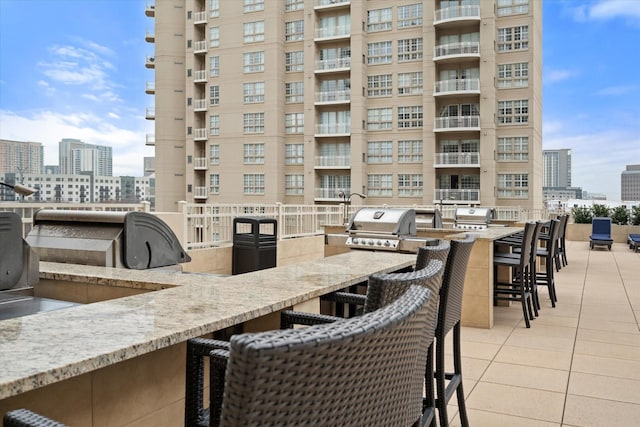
(121, 362)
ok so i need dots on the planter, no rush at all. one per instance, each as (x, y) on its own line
(581, 232)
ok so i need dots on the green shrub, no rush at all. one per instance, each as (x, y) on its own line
(581, 215)
(620, 215)
(601, 211)
(635, 215)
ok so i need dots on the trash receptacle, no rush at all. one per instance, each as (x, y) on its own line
(254, 244)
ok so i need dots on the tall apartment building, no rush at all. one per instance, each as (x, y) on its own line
(295, 101)
(557, 168)
(630, 183)
(21, 157)
(76, 156)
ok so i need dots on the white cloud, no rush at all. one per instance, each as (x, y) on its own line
(608, 9)
(617, 90)
(553, 76)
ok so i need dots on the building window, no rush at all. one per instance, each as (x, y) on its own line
(379, 53)
(214, 154)
(380, 185)
(214, 36)
(513, 112)
(294, 154)
(513, 148)
(294, 92)
(513, 75)
(410, 83)
(253, 92)
(214, 66)
(254, 62)
(379, 85)
(410, 49)
(214, 8)
(410, 117)
(291, 5)
(379, 152)
(214, 95)
(379, 20)
(410, 151)
(513, 38)
(253, 31)
(294, 61)
(410, 184)
(379, 118)
(513, 185)
(512, 7)
(253, 123)
(214, 124)
(410, 15)
(294, 185)
(294, 31)
(252, 5)
(214, 183)
(254, 154)
(294, 123)
(254, 183)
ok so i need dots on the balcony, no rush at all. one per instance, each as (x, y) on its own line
(200, 163)
(199, 105)
(456, 14)
(199, 18)
(334, 97)
(200, 47)
(330, 194)
(338, 129)
(200, 134)
(457, 123)
(333, 162)
(150, 10)
(150, 139)
(149, 37)
(333, 65)
(150, 88)
(200, 76)
(149, 62)
(150, 114)
(331, 4)
(332, 33)
(451, 197)
(200, 193)
(458, 160)
(456, 87)
(461, 50)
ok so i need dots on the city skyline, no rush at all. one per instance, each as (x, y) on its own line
(75, 77)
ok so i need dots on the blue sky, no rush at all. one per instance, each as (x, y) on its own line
(75, 69)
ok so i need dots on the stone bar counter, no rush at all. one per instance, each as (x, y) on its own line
(121, 362)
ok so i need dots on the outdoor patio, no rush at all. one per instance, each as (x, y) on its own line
(578, 364)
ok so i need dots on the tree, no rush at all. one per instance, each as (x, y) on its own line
(581, 215)
(601, 211)
(620, 215)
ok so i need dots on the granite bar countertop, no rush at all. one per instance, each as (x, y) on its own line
(491, 233)
(45, 348)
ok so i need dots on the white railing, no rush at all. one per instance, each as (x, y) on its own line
(199, 17)
(451, 196)
(456, 85)
(200, 75)
(200, 133)
(150, 113)
(150, 139)
(456, 12)
(200, 163)
(337, 31)
(333, 96)
(150, 87)
(457, 122)
(457, 159)
(322, 3)
(200, 46)
(457, 49)
(334, 129)
(150, 61)
(199, 104)
(332, 64)
(333, 161)
(200, 192)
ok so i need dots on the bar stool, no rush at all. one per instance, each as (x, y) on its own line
(27, 418)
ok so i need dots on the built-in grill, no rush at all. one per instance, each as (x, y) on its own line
(471, 218)
(428, 218)
(135, 240)
(19, 264)
(389, 229)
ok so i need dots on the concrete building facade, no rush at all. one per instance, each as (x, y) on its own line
(76, 157)
(630, 183)
(298, 101)
(557, 168)
(21, 157)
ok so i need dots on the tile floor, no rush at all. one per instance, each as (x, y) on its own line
(578, 364)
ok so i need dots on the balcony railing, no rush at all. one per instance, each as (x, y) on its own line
(338, 96)
(334, 129)
(457, 123)
(149, 62)
(149, 37)
(200, 134)
(456, 86)
(333, 32)
(330, 3)
(457, 160)
(150, 139)
(199, 105)
(330, 162)
(200, 192)
(200, 163)
(200, 76)
(150, 88)
(150, 113)
(456, 13)
(200, 18)
(330, 193)
(445, 196)
(333, 64)
(150, 10)
(200, 46)
(461, 49)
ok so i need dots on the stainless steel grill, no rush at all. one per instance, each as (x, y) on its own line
(472, 218)
(428, 218)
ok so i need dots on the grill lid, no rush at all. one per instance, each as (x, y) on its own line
(399, 222)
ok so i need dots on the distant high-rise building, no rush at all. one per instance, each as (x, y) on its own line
(298, 101)
(77, 156)
(557, 168)
(630, 183)
(21, 157)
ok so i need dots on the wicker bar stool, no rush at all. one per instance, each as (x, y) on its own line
(27, 418)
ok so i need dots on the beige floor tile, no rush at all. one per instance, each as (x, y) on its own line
(632, 339)
(545, 330)
(517, 401)
(496, 335)
(607, 325)
(540, 342)
(546, 318)
(527, 376)
(479, 350)
(478, 418)
(617, 368)
(602, 387)
(615, 351)
(533, 357)
(590, 412)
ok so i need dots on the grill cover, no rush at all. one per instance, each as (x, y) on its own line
(399, 222)
(19, 265)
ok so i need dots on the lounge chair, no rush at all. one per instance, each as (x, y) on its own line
(634, 242)
(600, 233)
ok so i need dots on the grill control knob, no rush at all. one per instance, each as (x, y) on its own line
(371, 242)
(387, 243)
(354, 240)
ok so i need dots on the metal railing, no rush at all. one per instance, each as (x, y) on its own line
(332, 64)
(457, 159)
(456, 49)
(456, 85)
(333, 96)
(456, 12)
(457, 122)
(336, 31)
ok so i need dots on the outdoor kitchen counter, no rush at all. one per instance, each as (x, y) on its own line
(477, 299)
(90, 341)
